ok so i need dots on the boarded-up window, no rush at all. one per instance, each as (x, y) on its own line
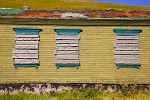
(26, 52)
(67, 47)
(127, 48)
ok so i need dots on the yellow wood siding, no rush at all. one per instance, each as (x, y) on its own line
(96, 57)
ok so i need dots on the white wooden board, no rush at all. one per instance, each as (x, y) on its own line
(67, 52)
(27, 39)
(27, 42)
(127, 52)
(67, 48)
(67, 37)
(127, 48)
(126, 56)
(17, 51)
(26, 61)
(127, 41)
(127, 37)
(127, 61)
(25, 56)
(126, 45)
(67, 41)
(67, 57)
(23, 36)
(68, 45)
(67, 62)
(26, 46)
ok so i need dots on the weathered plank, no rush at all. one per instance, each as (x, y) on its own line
(26, 36)
(127, 41)
(126, 52)
(67, 41)
(127, 61)
(27, 42)
(127, 37)
(67, 62)
(26, 61)
(25, 56)
(127, 48)
(26, 46)
(27, 39)
(16, 51)
(67, 57)
(70, 37)
(126, 56)
(66, 52)
(68, 45)
(126, 45)
(67, 48)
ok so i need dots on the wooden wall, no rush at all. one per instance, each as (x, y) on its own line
(96, 57)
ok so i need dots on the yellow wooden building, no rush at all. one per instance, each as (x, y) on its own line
(96, 51)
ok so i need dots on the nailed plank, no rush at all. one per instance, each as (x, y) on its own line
(127, 48)
(127, 41)
(126, 45)
(25, 36)
(27, 42)
(127, 37)
(67, 57)
(25, 56)
(127, 61)
(67, 41)
(27, 39)
(26, 46)
(68, 45)
(70, 37)
(67, 62)
(67, 52)
(67, 48)
(126, 56)
(26, 61)
(16, 51)
(126, 52)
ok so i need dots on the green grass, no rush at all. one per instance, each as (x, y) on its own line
(89, 94)
(63, 5)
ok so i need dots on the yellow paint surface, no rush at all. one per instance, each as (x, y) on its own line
(96, 57)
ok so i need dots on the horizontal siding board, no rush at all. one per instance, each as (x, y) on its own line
(68, 45)
(67, 37)
(16, 51)
(27, 42)
(127, 61)
(67, 48)
(127, 41)
(127, 48)
(67, 41)
(126, 52)
(67, 57)
(26, 46)
(126, 45)
(127, 37)
(126, 56)
(67, 62)
(27, 39)
(67, 52)
(25, 56)
(26, 61)
(27, 36)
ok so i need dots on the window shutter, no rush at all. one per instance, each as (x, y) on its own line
(127, 48)
(26, 52)
(67, 47)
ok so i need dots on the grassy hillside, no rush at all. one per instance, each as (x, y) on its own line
(65, 5)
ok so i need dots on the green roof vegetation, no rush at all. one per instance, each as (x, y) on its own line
(66, 5)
